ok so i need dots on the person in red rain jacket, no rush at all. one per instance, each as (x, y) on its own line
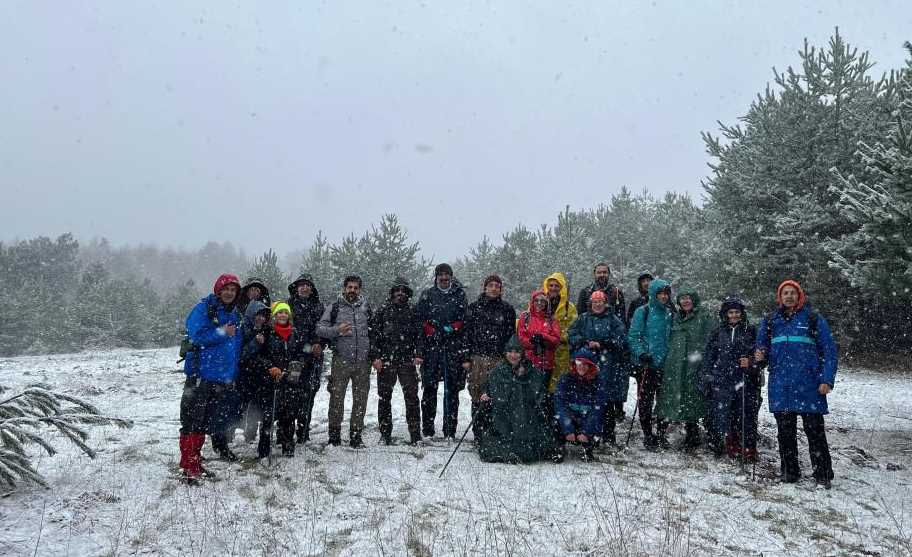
(539, 333)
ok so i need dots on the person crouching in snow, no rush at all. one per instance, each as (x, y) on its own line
(288, 353)
(211, 367)
(802, 356)
(730, 383)
(519, 426)
(602, 332)
(580, 402)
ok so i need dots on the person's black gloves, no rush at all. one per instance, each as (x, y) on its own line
(646, 359)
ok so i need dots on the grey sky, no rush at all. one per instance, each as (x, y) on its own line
(175, 124)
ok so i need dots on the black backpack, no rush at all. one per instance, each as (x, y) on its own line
(186, 346)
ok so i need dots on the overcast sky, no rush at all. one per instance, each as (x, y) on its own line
(172, 123)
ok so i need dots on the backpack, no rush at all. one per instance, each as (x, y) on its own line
(186, 345)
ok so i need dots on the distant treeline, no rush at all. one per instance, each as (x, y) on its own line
(814, 183)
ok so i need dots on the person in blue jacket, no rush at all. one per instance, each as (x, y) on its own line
(802, 356)
(580, 402)
(648, 336)
(211, 367)
(602, 332)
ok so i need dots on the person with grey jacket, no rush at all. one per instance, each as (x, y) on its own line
(345, 323)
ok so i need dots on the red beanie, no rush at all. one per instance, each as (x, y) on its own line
(598, 295)
(802, 297)
(223, 281)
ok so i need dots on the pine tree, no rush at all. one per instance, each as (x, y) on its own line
(26, 418)
(266, 268)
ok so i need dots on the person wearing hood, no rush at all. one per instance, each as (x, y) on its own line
(394, 332)
(441, 310)
(489, 324)
(346, 323)
(802, 355)
(519, 428)
(580, 403)
(563, 310)
(306, 311)
(600, 331)
(730, 382)
(648, 339)
(211, 368)
(679, 398)
(252, 377)
(601, 282)
(539, 333)
(643, 282)
(253, 289)
(288, 354)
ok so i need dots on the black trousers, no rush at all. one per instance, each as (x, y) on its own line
(650, 382)
(787, 424)
(407, 376)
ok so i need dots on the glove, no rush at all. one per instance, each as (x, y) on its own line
(448, 329)
(645, 359)
(429, 329)
(275, 372)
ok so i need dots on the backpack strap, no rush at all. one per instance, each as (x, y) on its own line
(334, 313)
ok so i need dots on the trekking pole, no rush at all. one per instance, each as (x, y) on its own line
(461, 439)
(636, 407)
(272, 417)
(743, 416)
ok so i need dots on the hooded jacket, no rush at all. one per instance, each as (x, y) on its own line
(442, 317)
(305, 312)
(648, 334)
(679, 398)
(218, 355)
(519, 428)
(606, 329)
(580, 400)
(799, 362)
(489, 324)
(533, 322)
(243, 302)
(727, 344)
(395, 329)
(355, 346)
(566, 314)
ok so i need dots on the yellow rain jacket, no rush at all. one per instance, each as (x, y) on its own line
(565, 315)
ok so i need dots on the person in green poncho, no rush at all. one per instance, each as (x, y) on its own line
(679, 399)
(519, 427)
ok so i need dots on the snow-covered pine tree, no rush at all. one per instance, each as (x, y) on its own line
(28, 417)
(317, 263)
(770, 184)
(266, 268)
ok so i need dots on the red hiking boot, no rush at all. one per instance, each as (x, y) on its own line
(733, 445)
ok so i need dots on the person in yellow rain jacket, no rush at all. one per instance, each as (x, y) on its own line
(564, 311)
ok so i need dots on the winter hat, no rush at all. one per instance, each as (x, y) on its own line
(443, 268)
(802, 297)
(513, 345)
(401, 282)
(280, 306)
(492, 278)
(302, 278)
(254, 308)
(585, 357)
(644, 276)
(597, 295)
(224, 280)
(732, 302)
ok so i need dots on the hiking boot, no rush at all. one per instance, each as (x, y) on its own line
(733, 445)
(651, 442)
(335, 440)
(355, 441)
(750, 455)
(663, 442)
(588, 455)
(825, 483)
(557, 457)
(386, 439)
(288, 450)
(789, 478)
(226, 455)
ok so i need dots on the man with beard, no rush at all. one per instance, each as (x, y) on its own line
(394, 334)
(489, 324)
(601, 275)
(306, 311)
(441, 311)
(345, 323)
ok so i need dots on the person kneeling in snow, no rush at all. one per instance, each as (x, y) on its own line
(580, 402)
(518, 429)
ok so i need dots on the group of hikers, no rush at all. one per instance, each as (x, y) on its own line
(555, 376)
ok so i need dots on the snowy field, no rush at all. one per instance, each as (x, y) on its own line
(389, 501)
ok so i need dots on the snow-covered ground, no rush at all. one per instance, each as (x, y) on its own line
(389, 500)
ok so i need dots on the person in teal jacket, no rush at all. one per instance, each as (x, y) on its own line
(650, 328)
